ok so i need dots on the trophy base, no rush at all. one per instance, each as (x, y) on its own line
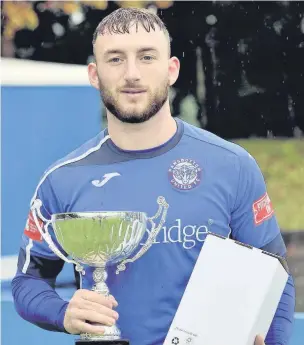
(102, 342)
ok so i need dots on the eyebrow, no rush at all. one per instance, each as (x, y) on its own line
(141, 50)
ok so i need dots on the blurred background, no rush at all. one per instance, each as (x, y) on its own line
(242, 78)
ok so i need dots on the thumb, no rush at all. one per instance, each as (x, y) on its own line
(259, 340)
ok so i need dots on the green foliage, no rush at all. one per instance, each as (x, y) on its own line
(282, 164)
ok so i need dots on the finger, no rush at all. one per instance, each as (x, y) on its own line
(259, 340)
(114, 301)
(99, 309)
(97, 298)
(93, 316)
(84, 327)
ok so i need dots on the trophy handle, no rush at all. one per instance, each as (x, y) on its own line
(162, 211)
(36, 212)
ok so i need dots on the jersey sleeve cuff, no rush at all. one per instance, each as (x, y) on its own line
(62, 307)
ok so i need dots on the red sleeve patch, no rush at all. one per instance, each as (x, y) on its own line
(262, 209)
(31, 229)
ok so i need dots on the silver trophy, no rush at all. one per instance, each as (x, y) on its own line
(99, 239)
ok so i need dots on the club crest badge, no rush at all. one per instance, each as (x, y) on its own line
(185, 174)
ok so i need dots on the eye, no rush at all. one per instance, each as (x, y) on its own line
(148, 58)
(115, 60)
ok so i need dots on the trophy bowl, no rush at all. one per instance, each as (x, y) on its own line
(99, 239)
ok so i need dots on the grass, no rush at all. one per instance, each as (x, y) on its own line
(282, 164)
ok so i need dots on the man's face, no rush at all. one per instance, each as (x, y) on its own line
(133, 73)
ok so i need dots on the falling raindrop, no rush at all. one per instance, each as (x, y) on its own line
(77, 18)
(302, 25)
(278, 26)
(58, 29)
(211, 19)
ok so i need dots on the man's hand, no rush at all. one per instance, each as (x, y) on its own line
(259, 340)
(89, 306)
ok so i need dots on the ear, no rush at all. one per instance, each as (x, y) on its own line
(93, 76)
(174, 67)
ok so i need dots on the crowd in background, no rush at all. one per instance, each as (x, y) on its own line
(249, 56)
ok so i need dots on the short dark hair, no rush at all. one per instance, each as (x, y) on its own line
(121, 20)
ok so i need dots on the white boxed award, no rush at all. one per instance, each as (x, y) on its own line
(231, 297)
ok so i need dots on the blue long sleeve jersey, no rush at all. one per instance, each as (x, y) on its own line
(210, 185)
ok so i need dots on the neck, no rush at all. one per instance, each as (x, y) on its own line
(152, 133)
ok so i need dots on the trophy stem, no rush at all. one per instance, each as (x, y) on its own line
(100, 277)
(112, 333)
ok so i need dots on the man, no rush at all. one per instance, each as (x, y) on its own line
(210, 185)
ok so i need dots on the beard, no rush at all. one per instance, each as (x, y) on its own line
(155, 102)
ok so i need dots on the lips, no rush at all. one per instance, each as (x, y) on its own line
(133, 91)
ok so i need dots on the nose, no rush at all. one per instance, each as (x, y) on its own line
(132, 73)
